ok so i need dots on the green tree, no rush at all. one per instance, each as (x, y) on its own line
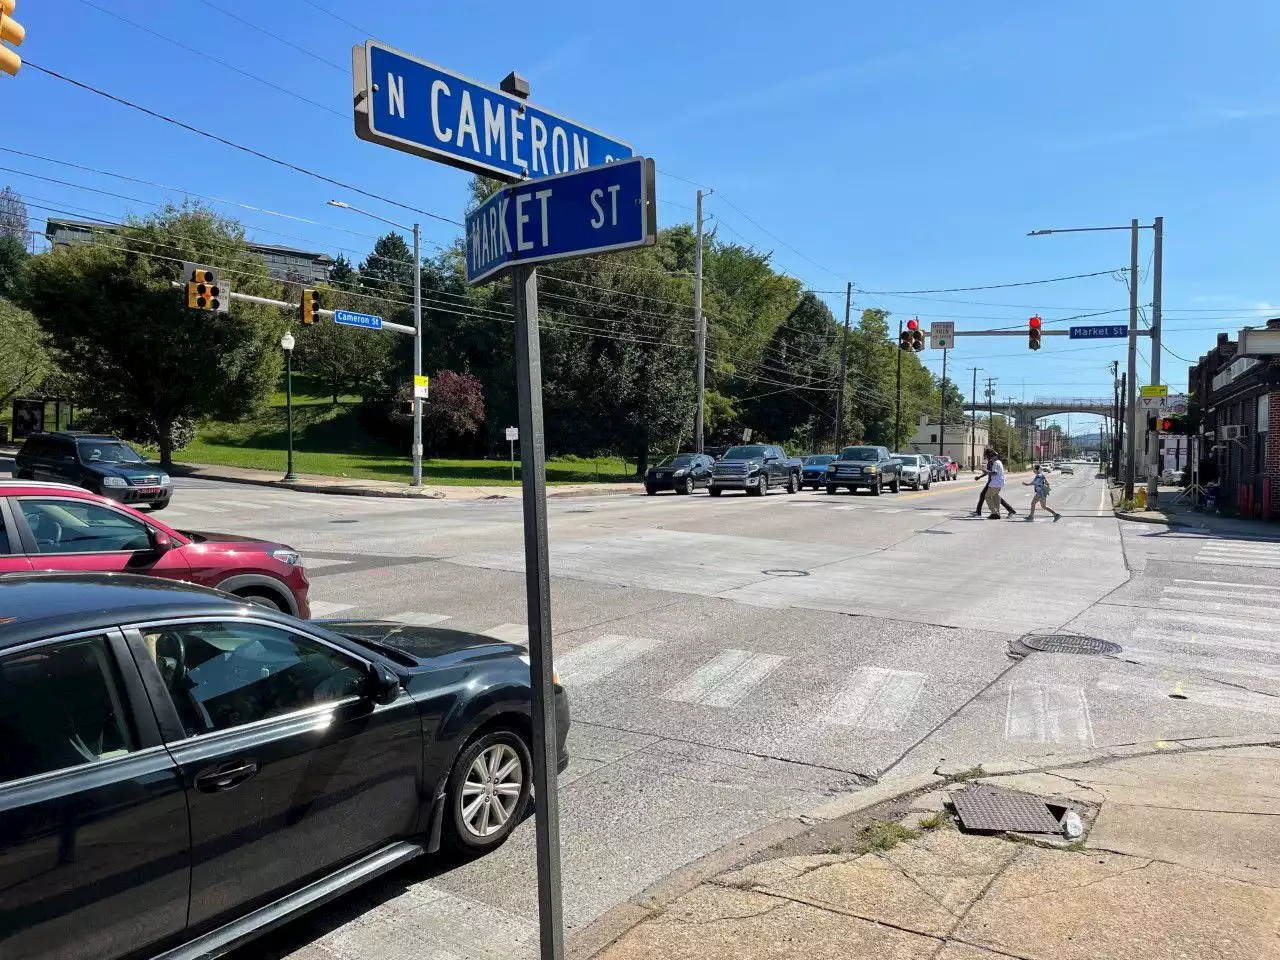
(24, 356)
(802, 352)
(346, 359)
(388, 270)
(13, 254)
(342, 275)
(123, 333)
(13, 215)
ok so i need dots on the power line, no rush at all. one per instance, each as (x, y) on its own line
(330, 13)
(763, 230)
(288, 43)
(988, 286)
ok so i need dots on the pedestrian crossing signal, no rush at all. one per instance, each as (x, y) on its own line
(1166, 425)
(309, 309)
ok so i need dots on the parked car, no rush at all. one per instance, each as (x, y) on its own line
(813, 470)
(864, 466)
(917, 470)
(683, 473)
(54, 526)
(180, 771)
(1068, 468)
(754, 468)
(1172, 477)
(952, 468)
(105, 465)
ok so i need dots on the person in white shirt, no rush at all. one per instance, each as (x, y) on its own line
(995, 484)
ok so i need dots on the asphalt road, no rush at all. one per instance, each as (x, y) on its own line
(734, 660)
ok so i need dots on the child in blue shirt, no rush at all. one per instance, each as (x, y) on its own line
(1041, 495)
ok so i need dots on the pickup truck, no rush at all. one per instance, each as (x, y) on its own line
(755, 468)
(864, 466)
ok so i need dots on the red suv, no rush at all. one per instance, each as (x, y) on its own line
(53, 526)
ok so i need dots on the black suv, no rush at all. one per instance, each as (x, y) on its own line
(181, 770)
(105, 465)
(869, 467)
(754, 468)
(682, 473)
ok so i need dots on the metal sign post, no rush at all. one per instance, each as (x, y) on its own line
(513, 434)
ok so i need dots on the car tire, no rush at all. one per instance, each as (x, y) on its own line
(471, 781)
(792, 484)
(715, 491)
(831, 489)
(158, 506)
(928, 485)
(687, 487)
(878, 488)
(263, 597)
(762, 486)
(650, 489)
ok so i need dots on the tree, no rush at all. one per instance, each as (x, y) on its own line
(342, 275)
(13, 254)
(803, 352)
(388, 270)
(454, 410)
(13, 216)
(24, 357)
(345, 359)
(123, 334)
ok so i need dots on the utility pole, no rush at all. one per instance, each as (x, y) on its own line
(1157, 281)
(417, 357)
(1120, 424)
(1131, 458)
(991, 411)
(897, 416)
(700, 337)
(942, 413)
(973, 421)
(844, 360)
(1114, 451)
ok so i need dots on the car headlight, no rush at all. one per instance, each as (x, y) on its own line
(555, 676)
(114, 482)
(165, 480)
(868, 469)
(681, 472)
(831, 468)
(291, 557)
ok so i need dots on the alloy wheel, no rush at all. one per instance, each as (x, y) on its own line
(493, 786)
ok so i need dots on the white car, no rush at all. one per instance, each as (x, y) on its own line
(917, 470)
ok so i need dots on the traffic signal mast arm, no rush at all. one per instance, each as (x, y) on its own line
(293, 307)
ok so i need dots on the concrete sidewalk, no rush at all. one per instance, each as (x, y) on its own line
(1181, 859)
(1183, 514)
(354, 487)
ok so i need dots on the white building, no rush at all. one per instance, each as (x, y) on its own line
(963, 443)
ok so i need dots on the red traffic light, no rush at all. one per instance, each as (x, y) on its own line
(913, 324)
(1166, 425)
(1034, 322)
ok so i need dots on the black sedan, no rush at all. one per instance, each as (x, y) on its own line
(683, 473)
(180, 770)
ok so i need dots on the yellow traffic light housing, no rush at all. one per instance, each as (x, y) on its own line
(11, 31)
(204, 291)
(309, 309)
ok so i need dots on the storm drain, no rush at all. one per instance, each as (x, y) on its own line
(1062, 643)
(989, 810)
(785, 573)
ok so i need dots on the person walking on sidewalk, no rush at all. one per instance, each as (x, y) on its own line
(1040, 495)
(990, 456)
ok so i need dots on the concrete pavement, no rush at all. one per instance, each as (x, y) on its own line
(1182, 860)
(736, 662)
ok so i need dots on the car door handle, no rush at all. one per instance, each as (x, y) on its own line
(224, 776)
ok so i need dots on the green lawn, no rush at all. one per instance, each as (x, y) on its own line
(327, 440)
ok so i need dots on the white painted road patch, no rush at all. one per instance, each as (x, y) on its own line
(414, 619)
(510, 633)
(1048, 713)
(726, 680)
(601, 657)
(875, 698)
(323, 608)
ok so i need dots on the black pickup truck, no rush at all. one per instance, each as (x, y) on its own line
(869, 467)
(755, 468)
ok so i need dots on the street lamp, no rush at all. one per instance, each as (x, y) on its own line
(417, 329)
(286, 344)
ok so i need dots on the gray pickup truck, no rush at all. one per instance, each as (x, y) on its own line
(755, 468)
(870, 467)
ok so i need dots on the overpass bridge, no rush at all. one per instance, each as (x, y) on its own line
(1027, 412)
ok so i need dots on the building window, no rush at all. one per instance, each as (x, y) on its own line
(933, 438)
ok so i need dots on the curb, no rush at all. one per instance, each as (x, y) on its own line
(1166, 519)
(614, 924)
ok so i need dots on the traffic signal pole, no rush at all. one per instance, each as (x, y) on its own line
(700, 339)
(844, 361)
(897, 416)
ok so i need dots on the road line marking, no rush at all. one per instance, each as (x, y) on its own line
(318, 562)
(601, 657)
(1199, 663)
(1212, 623)
(412, 618)
(1188, 593)
(201, 508)
(242, 504)
(509, 633)
(1048, 713)
(1209, 641)
(726, 680)
(1224, 561)
(877, 699)
(1225, 583)
(1171, 603)
(323, 608)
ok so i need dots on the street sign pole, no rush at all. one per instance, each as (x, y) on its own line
(417, 357)
(942, 413)
(524, 287)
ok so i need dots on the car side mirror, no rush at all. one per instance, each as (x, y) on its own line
(381, 684)
(161, 542)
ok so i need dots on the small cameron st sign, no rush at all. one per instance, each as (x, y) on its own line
(575, 214)
(418, 107)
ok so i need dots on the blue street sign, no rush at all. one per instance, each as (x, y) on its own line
(574, 214)
(416, 106)
(349, 319)
(1099, 331)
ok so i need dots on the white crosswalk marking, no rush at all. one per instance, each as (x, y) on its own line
(199, 508)
(317, 562)
(599, 658)
(415, 619)
(726, 680)
(1048, 713)
(1240, 553)
(510, 633)
(242, 504)
(323, 608)
(1258, 587)
(877, 699)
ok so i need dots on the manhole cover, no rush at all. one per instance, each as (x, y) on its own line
(785, 573)
(987, 808)
(1068, 643)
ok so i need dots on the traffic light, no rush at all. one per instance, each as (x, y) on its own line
(1166, 425)
(11, 31)
(904, 337)
(204, 292)
(917, 335)
(309, 309)
(1033, 332)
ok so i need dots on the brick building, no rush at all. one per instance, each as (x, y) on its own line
(1239, 442)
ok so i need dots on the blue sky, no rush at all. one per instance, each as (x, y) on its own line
(902, 147)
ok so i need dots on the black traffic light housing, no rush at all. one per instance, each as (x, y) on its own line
(1033, 332)
(904, 340)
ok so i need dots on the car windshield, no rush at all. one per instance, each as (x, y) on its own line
(860, 453)
(818, 460)
(107, 451)
(683, 460)
(745, 453)
(909, 460)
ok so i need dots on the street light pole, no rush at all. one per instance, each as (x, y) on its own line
(287, 344)
(1157, 283)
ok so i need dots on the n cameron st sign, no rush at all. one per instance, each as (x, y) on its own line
(418, 107)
